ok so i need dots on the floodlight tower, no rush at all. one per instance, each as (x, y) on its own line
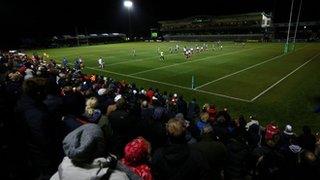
(286, 47)
(129, 5)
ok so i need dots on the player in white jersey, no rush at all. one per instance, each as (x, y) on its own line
(101, 63)
(161, 56)
(134, 52)
(188, 54)
(81, 63)
(198, 49)
(177, 48)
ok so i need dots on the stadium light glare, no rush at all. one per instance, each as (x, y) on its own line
(128, 4)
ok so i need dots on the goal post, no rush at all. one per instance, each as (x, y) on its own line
(286, 46)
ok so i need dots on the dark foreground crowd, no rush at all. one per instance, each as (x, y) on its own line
(57, 123)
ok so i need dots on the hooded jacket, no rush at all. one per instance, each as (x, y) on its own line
(85, 157)
(178, 161)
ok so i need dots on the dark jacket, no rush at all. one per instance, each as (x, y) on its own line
(182, 106)
(269, 162)
(238, 153)
(37, 134)
(123, 127)
(214, 152)
(178, 161)
(193, 110)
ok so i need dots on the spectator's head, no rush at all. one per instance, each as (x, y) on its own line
(205, 107)
(180, 116)
(144, 104)
(102, 91)
(288, 130)
(15, 76)
(91, 104)
(67, 90)
(307, 157)
(272, 134)
(120, 102)
(35, 88)
(176, 130)
(204, 116)
(136, 151)
(84, 144)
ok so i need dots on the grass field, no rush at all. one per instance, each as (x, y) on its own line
(255, 79)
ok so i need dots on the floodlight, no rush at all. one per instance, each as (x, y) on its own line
(128, 4)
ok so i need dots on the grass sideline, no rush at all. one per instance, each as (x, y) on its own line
(222, 76)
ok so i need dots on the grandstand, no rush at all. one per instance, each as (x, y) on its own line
(81, 39)
(253, 26)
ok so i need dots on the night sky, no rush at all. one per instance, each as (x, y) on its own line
(50, 17)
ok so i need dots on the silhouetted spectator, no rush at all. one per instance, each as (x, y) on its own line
(307, 140)
(177, 160)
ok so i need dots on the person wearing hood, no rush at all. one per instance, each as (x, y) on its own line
(177, 160)
(286, 136)
(86, 157)
(291, 153)
(214, 152)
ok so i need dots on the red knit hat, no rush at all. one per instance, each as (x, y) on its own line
(135, 151)
(271, 130)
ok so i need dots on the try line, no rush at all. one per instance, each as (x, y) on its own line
(245, 69)
(285, 77)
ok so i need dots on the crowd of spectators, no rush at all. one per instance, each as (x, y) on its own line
(59, 123)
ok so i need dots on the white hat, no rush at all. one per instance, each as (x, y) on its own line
(117, 98)
(288, 130)
(144, 103)
(154, 98)
(62, 75)
(29, 71)
(143, 91)
(175, 95)
(134, 91)
(102, 91)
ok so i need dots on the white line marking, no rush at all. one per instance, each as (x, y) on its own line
(172, 85)
(242, 70)
(201, 59)
(276, 83)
